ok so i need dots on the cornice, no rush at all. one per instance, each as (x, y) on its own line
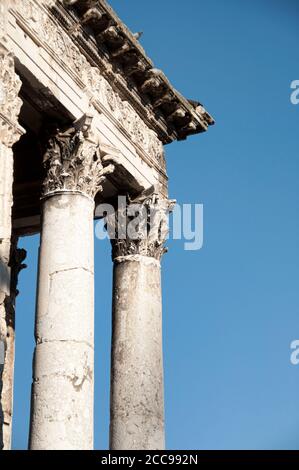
(105, 40)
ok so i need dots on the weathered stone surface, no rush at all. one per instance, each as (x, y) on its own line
(16, 264)
(99, 83)
(137, 407)
(62, 390)
(62, 396)
(75, 57)
(148, 236)
(74, 161)
(179, 116)
(7, 294)
(10, 132)
(10, 103)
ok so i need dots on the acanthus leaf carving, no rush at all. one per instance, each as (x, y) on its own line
(73, 160)
(10, 103)
(141, 227)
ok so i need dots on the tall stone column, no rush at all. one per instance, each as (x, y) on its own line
(17, 256)
(10, 132)
(137, 404)
(62, 390)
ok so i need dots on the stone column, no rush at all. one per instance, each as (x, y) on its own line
(62, 390)
(10, 132)
(137, 404)
(17, 256)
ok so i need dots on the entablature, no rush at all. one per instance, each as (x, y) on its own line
(104, 38)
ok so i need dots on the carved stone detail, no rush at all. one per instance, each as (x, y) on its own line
(151, 234)
(2, 20)
(74, 162)
(10, 103)
(53, 38)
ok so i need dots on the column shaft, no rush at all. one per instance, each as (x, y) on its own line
(137, 408)
(62, 390)
(17, 257)
(6, 180)
(10, 132)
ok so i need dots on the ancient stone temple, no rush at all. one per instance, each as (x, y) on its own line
(84, 118)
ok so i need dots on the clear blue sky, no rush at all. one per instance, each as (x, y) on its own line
(231, 309)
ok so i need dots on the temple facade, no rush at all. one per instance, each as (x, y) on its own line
(84, 118)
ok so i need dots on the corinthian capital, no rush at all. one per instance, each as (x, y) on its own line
(74, 161)
(10, 103)
(140, 226)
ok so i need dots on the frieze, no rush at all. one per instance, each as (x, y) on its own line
(52, 36)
